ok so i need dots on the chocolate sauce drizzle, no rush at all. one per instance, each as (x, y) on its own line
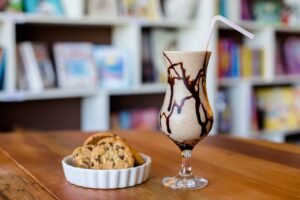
(193, 86)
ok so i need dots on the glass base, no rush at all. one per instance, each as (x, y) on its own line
(179, 182)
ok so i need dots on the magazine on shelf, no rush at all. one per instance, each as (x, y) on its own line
(112, 66)
(143, 9)
(102, 8)
(44, 64)
(279, 114)
(75, 65)
(162, 40)
(22, 82)
(31, 68)
(37, 66)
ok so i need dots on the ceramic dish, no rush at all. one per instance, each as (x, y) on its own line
(106, 179)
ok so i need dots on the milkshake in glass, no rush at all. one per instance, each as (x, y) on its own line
(186, 116)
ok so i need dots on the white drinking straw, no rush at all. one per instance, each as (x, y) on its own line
(229, 23)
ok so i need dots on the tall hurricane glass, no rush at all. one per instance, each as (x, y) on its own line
(186, 116)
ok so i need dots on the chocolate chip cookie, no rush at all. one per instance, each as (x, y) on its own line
(111, 153)
(81, 156)
(94, 139)
(137, 157)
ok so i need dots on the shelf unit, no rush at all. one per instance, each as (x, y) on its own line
(240, 89)
(95, 103)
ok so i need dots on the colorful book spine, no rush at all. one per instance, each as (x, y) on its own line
(2, 67)
(223, 8)
(247, 62)
(237, 60)
(34, 79)
(280, 114)
(224, 60)
(245, 10)
(256, 62)
(224, 112)
(136, 119)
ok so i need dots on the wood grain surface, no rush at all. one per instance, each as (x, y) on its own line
(15, 184)
(235, 168)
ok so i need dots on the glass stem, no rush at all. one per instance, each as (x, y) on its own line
(186, 168)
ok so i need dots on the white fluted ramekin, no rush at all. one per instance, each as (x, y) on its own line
(106, 179)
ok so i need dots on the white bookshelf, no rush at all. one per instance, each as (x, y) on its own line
(47, 94)
(93, 21)
(127, 33)
(240, 88)
(56, 20)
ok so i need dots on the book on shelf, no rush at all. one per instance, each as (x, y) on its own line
(224, 112)
(229, 9)
(256, 113)
(149, 10)
(145, 119)
(48, 7)
(267, 11)
(75, 64)
(291, 51)
(143, 9)
(279, 59)
(272, 11)
(237, 60)
(44, 64)
(2, 67)
(74, 8)
(112, 66)
(162, 40)
(149, 73)
(155, 43)
(246, 13)
(173, 9)
(31, 74)
(38, 69)
(12, 5)
(102, 8)
(277, 108)
(22, 83)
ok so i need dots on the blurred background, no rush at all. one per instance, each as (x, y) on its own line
(98, 65)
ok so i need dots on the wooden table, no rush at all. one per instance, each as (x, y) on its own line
(30, 168)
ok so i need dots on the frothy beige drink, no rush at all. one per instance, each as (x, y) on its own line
(186, 116)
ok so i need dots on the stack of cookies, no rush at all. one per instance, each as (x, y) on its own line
(106, 151)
